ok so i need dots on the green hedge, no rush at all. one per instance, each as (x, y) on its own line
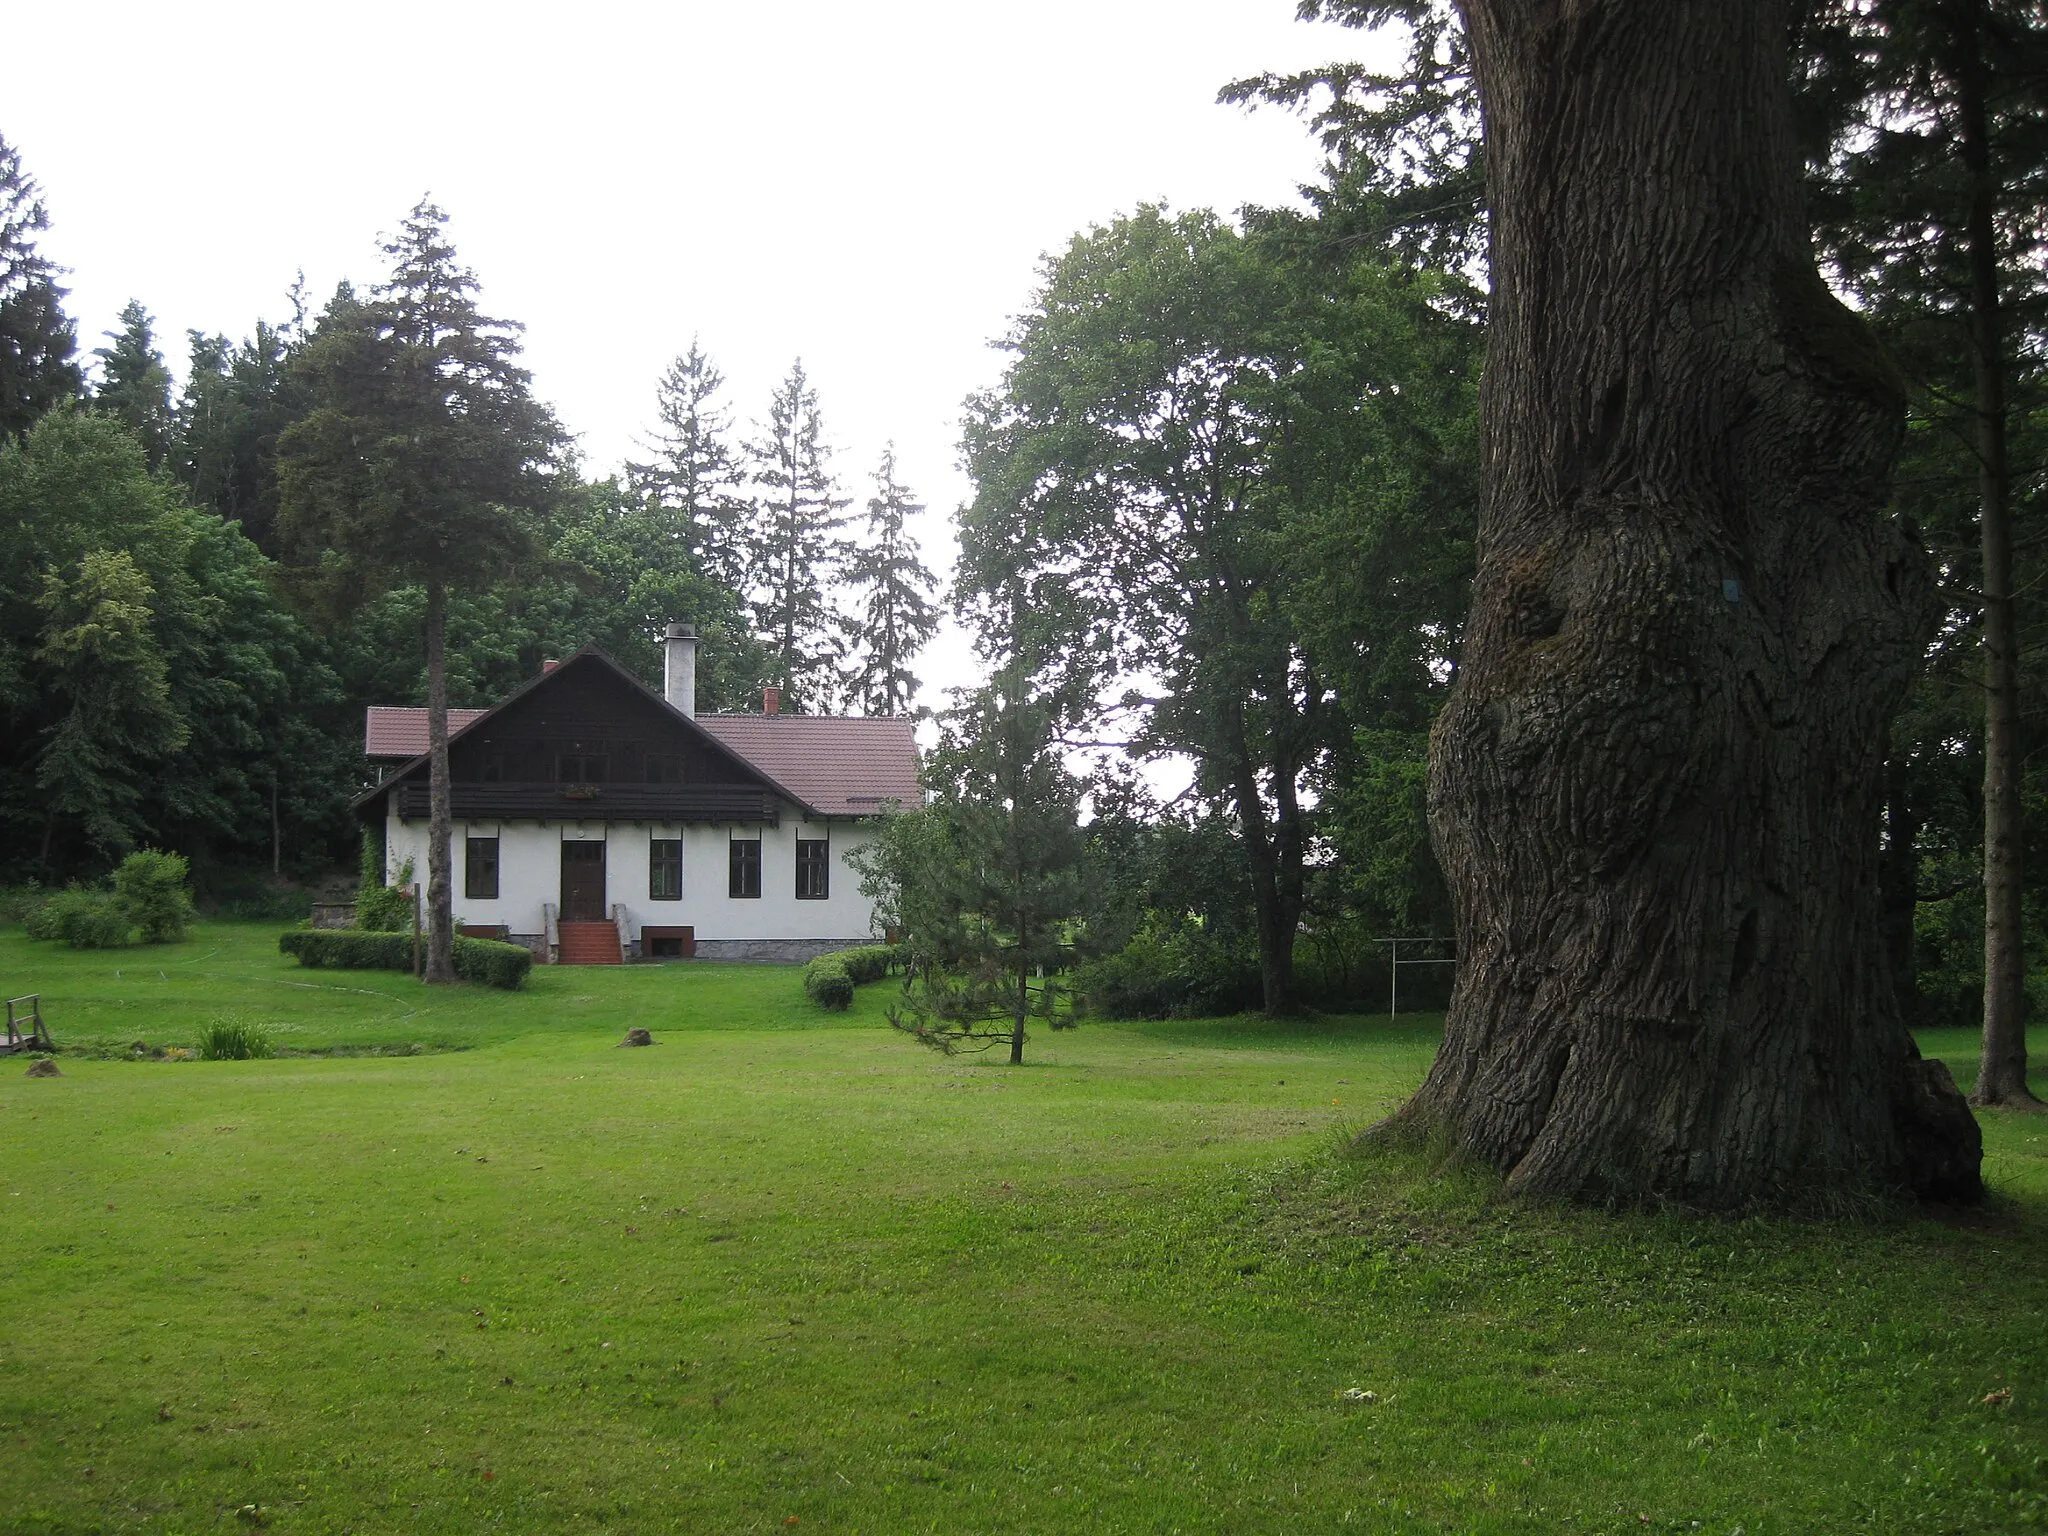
(870, 962)
(492, 963)
(830, 979)
(352, 949)
(827, 983)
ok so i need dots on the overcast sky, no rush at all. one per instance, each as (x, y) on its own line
(870, 186)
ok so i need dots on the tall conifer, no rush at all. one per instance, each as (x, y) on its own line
(894, 616)
(135, 386)
(695, 474)
(37, 339)
(792, 545)
(237, 403)
(424, 460)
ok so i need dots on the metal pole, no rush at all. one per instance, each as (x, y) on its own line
(1393, 978)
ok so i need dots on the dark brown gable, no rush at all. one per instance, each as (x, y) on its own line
(588, 742)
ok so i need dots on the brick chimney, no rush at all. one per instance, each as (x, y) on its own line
(771, 701)
(548, 666)
(679, 668)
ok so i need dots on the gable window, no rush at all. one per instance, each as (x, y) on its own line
(665, 869)
(664, 768)
(480, 868)
(580, 768)
(813, 869)
(492, 769)
(745, 861)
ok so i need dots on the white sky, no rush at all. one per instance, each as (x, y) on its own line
(868, 185)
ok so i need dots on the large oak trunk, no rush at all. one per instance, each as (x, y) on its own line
(1656, 788)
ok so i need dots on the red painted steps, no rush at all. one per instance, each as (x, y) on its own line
(589, 944)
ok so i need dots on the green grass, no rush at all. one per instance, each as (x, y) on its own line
(166, 996)
(787, 1267)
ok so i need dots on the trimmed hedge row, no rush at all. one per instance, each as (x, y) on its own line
(869, 962)
(827, 983)
(492, 963)
(830, 979)
(353, 949)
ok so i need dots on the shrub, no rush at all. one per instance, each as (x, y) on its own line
(150, 885)
(347, 949)
(827, 983)
(1167, 972)
(19, 902)
(382, 908)
(492, 963)
(233, 1039)
(829, 980)
(352, 949)
(82, 918)
(869, 962)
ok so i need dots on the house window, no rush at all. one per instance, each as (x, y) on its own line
(580, 768)
(492, 770)
(665, 869)
(813, 869)
(664, 769)
(746, 866)
(480, 868)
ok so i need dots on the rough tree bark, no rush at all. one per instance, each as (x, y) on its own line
(440, 965)
(1656, 787)
(2002, 1070)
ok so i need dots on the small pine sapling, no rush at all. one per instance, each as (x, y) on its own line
(990, 882)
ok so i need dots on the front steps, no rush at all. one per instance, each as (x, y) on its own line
(589, 944)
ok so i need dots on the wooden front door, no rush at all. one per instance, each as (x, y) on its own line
(583, 882)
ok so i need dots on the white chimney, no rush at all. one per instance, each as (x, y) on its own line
(679, 668)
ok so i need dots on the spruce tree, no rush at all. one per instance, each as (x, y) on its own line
(238, 401)
(990, 882)
(695, 475)
(1930, 206)
(135, 386)
(37, 339)
(424, 460)
(895, 616)
(792, 546)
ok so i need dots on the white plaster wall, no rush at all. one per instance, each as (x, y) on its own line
(530, 874)
(775, 913)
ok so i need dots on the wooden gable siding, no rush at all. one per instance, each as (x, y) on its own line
(527, 760)
(663, 803)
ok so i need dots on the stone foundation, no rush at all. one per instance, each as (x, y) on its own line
(782, 951)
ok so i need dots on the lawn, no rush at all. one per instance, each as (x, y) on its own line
(787, 1270)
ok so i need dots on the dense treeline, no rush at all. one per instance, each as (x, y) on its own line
(206, 582)
(1226, 494)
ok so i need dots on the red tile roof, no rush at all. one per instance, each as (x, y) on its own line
(400, 732)
(840, 766)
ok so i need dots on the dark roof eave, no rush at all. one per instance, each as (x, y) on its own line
(591, 651)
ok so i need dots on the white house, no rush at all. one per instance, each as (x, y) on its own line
(596, 820)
